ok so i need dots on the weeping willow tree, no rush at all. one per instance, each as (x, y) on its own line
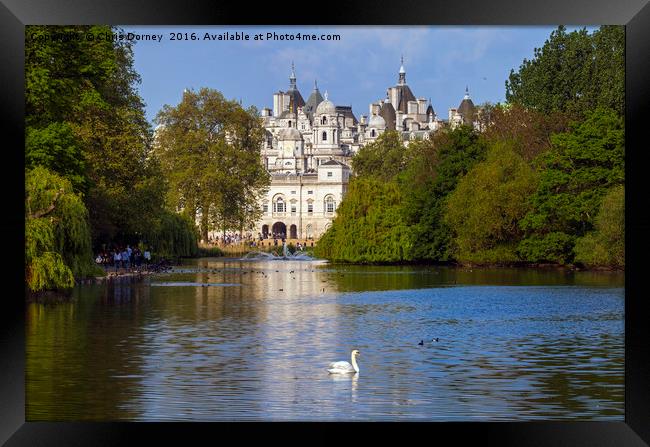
(57, 234)
(369, 227)
(174, 235)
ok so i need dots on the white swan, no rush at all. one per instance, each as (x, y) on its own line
(345, 367)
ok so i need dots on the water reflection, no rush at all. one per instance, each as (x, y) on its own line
(259, 349)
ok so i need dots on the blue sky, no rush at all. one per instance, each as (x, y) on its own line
(356, 70)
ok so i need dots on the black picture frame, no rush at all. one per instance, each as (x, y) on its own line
(635, 14)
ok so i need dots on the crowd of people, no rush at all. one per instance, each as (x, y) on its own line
(123, 258)
(231, 238)
(280, 236)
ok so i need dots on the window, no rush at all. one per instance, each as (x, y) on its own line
(265, 208)
(293, 209)
(372, 133)
(310, 208)
(293, 192)
(324, 136)
(329, 173)
(329, 204)
(310, 192)
(278, 206)
(323, 120)
(289, 123)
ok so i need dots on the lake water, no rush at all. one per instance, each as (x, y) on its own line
(221, 339)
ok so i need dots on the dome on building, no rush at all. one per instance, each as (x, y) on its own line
(387, 112)
(326, 107)
(377, 122)
(289, 134)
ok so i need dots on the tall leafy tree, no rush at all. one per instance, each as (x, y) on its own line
(576, 173)
(369, 226)
(209, 152)
(57, 234)
(86, 121)
(573, 73)
(433, 170)
(485, 208)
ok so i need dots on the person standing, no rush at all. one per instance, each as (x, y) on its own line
(117, 257)
(147, 257)
(125, 259)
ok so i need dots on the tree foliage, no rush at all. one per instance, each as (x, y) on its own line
(605, 246)
(575, 175)
(528, 130)
(209, 152)
(573, 73)
(86, 122)
(88, 151)
(383, 158)
(485, 208)
(173, 235)
(548, 191)
(394, 209)
(369, 227)
(57, 234)
(433, 170)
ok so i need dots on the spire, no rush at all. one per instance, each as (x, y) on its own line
(466, 92)
(315, 85)
(292, 78)
(325, 95)
(402, 72)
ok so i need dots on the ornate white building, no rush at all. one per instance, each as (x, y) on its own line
(309, 146)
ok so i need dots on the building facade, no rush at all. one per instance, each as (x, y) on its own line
(309, 146)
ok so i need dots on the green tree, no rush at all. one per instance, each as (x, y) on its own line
(573, 72)
(575, 175)
(605, 246)
(57, 235)
(172, 235)
(383, 158)
(433, 169)
(369, 226)
(485, 208)
(209, 152)
(86, 121)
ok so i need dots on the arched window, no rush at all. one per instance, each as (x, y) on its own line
(329, 204)
(372, 133)
(289, 123)
(323, 120)
(278, 205)
(324, 136)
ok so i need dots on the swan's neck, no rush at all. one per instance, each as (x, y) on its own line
(354, 363)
